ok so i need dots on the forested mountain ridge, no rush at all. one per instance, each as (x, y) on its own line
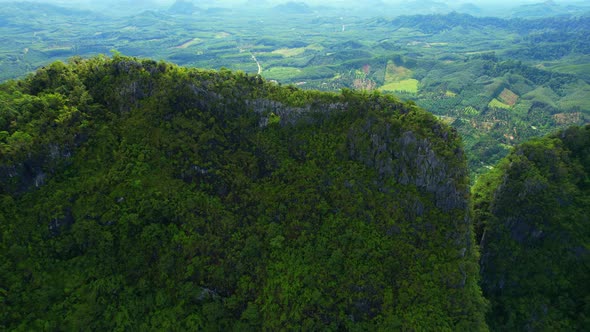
(438, 23)
(533, 39)
(532, 218)
(140, 195)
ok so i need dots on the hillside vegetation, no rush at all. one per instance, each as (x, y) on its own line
(532, 218)
(138, 195)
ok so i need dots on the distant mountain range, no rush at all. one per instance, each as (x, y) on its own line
(365, 8)
(436, 23)
(549, 8)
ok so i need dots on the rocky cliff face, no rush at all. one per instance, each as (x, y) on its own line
(194, 199)
(412, 160)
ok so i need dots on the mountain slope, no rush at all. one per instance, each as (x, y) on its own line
(532, 212)
(141, 195)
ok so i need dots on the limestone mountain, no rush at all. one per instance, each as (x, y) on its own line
(532, 218)
(139, 195)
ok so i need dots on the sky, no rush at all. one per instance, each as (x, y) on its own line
(312, 2)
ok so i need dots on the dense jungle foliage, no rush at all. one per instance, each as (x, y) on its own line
(531, 214)
(139, 195)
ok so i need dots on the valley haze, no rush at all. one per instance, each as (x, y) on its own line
(385, 7)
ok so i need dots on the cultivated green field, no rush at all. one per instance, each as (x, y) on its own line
(409, 85)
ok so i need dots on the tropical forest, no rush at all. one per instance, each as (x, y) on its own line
(294, 166)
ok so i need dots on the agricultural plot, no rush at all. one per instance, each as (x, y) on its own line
(409, 86)
(495, 103)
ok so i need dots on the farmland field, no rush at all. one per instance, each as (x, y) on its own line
(409, 85)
